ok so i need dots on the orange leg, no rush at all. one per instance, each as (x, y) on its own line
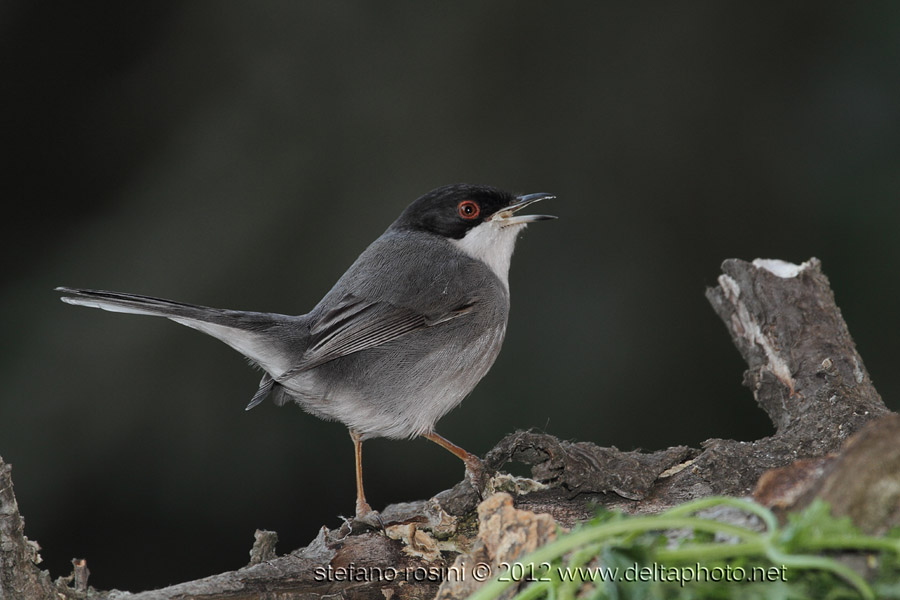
(362, 507)
(473, 463)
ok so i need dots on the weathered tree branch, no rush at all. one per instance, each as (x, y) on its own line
(804, 371)
(18, 554)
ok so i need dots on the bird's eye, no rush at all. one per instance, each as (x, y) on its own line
(468, 209)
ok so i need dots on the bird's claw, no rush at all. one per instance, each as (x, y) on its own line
(366, 517)
(477, 474)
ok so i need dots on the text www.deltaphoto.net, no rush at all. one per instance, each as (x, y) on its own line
(519, 572)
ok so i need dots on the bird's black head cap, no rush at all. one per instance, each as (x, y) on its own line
(452, 210)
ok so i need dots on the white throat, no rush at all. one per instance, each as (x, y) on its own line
(493, 244)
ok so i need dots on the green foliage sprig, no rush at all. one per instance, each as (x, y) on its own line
(623, 557)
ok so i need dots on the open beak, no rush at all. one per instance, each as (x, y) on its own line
(507, 216)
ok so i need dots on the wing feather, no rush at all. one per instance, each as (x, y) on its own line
(354, 325)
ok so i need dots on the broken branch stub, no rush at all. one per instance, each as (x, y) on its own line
(19, 575)
(804, 369)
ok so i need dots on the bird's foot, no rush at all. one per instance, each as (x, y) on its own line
(477, 474)
(366, 518)
(361, 523)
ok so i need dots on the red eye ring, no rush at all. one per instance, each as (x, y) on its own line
(468, 209)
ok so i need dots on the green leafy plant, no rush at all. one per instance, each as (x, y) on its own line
(622, 557)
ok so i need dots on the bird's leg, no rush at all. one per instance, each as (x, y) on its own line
(475, 470)
(365, 516)
(362, 507)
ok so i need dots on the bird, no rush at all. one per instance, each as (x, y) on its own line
(405, 334)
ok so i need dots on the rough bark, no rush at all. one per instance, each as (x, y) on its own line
(19, 575)
(803, 370)
(862, 481)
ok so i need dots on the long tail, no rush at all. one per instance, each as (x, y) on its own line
(264, 338)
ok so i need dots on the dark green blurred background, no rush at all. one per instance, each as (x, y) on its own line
(242, 154)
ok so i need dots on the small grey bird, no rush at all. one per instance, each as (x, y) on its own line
(402, 337)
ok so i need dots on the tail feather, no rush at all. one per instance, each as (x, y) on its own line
(264, 338)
